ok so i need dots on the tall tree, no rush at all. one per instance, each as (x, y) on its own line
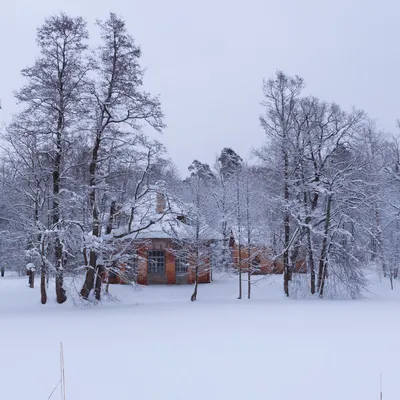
(201, 177)
(231, 173)
(53, 94)
(281, 95)
(117, 100)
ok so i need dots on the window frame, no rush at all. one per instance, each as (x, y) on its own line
(157, 257)
(181, 263)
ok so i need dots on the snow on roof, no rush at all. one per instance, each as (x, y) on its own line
(160, 215)
(258, 236)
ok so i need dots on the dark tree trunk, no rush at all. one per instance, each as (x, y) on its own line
(2, 270)
(323, 269)
(249, 239)
(90, 275)
(323, 264)
(58, 247)
(196, 284)
(239, 235)
(60, 291)
(43, 293)
(97, 289)
(311, 261)
(31, 278)
(92, 269)
(113, 210)
(43, 275)
(240, 272)
(250, 266)
(286, 266)
(379, 242)
(314, 202)
(286, 226)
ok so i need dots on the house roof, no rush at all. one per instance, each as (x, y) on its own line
(156, 214)
(258, 236)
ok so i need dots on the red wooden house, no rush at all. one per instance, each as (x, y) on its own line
(167, 251)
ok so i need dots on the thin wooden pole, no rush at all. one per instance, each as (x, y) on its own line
(381, 394)
(62, 379)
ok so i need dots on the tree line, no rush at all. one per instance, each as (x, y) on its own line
(75, 166)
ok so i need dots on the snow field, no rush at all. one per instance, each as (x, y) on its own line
(155, 344)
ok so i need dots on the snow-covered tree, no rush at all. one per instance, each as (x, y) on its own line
(53, 95)
(116, 101)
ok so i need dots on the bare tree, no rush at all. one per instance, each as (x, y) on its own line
(116, 100)
(281, 95)
(53, 94)
(25, 154)
(230, 169)
(198, 243)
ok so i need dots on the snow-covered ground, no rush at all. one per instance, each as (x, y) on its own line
(155, 344)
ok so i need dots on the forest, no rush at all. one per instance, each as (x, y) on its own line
(78, 164)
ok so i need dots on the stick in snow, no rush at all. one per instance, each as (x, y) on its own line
(62, 376)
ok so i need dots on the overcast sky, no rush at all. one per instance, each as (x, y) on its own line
(207, 59)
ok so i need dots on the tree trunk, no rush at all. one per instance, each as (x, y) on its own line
(379, 242)
(43, 293)
(41, 245)
(60, 291)
(58, 247)
(31, 278)
(286, 227)
(92, 269)
(311, 261)
(239, 235)
(2, 270)
(90, 276)
(323, 264)
(240, 269)
(196, 284)
(311, 264)
(113, 210)
(249, 239)
(323, 268)
(286, 266)
(250, 263)
(97, 289)
(391, 280)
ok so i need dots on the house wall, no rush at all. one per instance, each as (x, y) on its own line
(167, 245)
(170, 266)
(266, 265)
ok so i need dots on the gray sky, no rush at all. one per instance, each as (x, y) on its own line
(207, 59)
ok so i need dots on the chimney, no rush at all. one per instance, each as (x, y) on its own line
(161, 203)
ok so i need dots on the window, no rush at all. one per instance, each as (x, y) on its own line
(156, 262)
(181, 263)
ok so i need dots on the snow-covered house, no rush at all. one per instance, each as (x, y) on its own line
(161, 240)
